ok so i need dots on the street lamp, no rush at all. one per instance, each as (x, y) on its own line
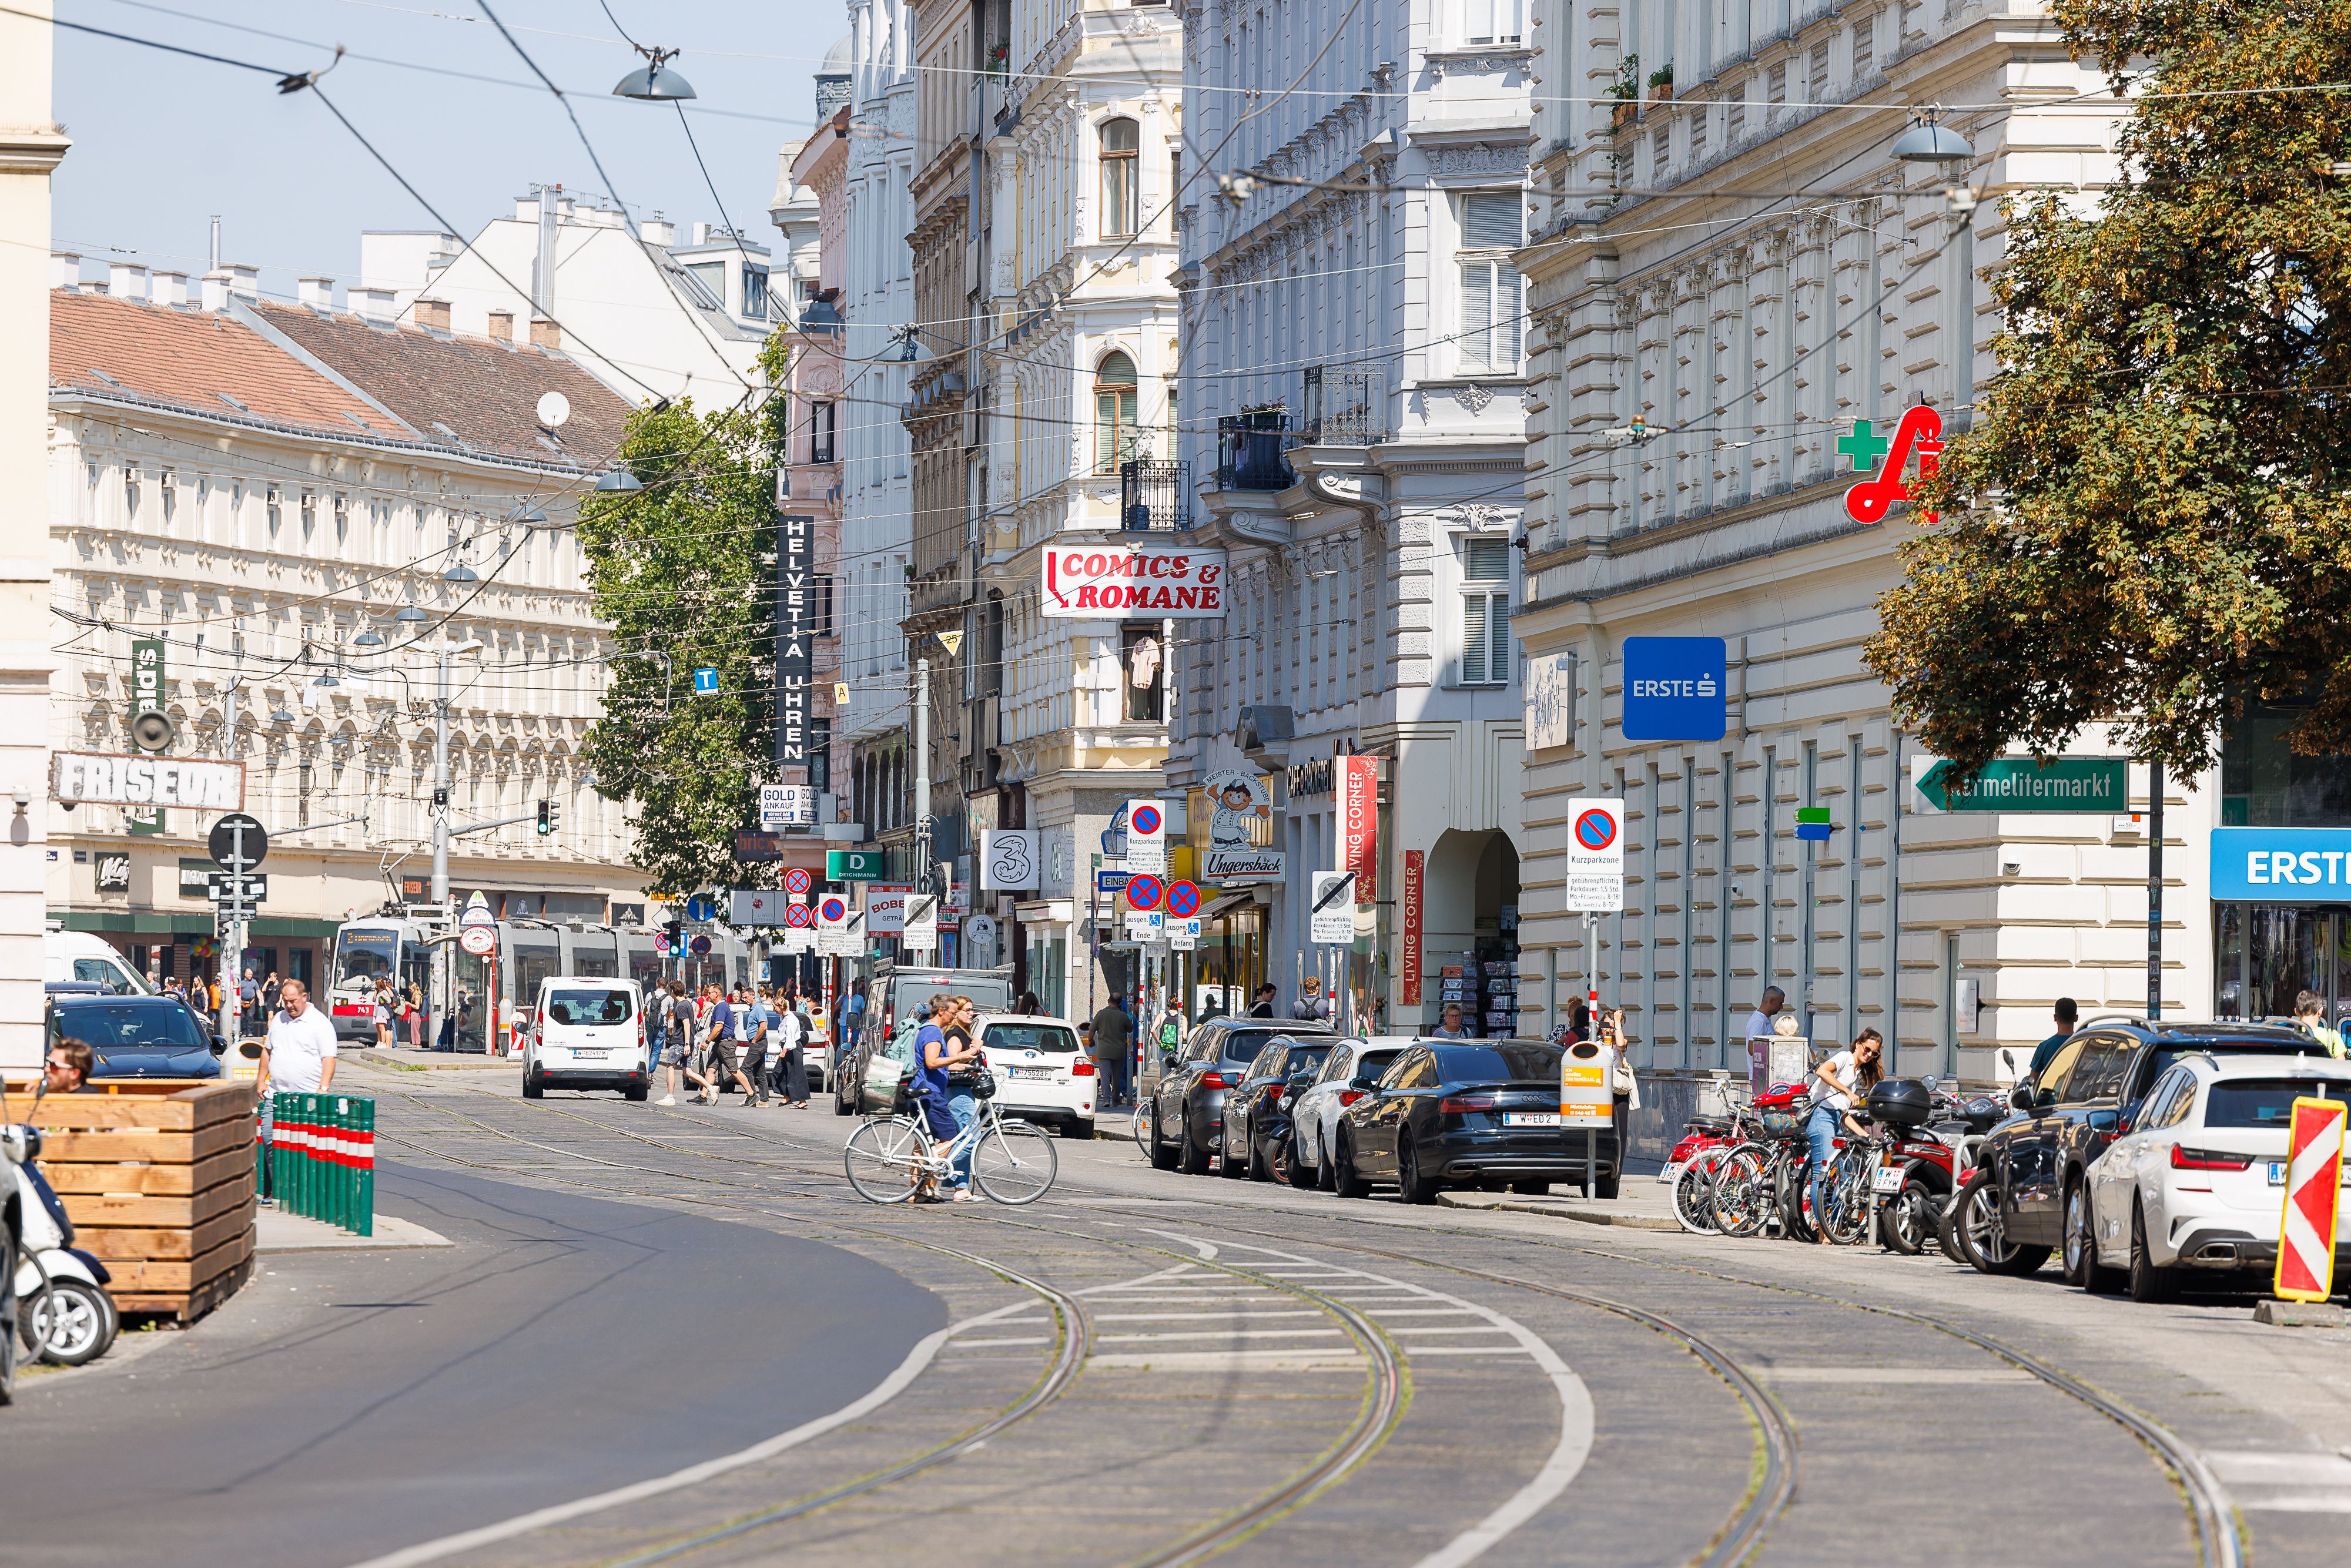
(910, 347)
(617, 481)
(529, 515)
(461, 573)
(368, 639)
(409, 615)
(1929, 143)
(654, 82)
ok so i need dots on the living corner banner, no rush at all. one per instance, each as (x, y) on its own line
(1357, 783)
(795, 640)
(1134, 583)
(1414, 872)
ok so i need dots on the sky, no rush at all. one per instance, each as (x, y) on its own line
(163, 142)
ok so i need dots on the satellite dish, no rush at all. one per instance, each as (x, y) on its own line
(152, 730)
(553, 410)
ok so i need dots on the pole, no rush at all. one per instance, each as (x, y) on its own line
(231, 1007)
(1809, 851)
(2154, 890)
(439, 1008)
(921, 776)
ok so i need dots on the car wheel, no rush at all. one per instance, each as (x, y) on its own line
(9, 1307)
(1606, 1184)
(637, 1094)
(1162, 1156)
(1228, 1168)
(1261, 1168)
(1344, 1181)
(1078, 1127)
(1190, 1158)
(1983, 1235)
(1414, 1188)
(534, 1086)
(2077, 1251)
(1326, 1168)
(1292, 1172)
(2149, 1280)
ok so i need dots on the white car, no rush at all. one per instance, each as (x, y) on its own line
(587, 1032)
(2198, 1181)
(1043, 1074)
(1315, 1117)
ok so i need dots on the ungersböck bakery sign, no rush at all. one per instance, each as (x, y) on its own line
(2281, 865)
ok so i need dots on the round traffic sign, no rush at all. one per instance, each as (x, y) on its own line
(797, 915)
(701, 907)
(1144, 819)
(661, 943)
(834, 909)
(1183, 900)
(226, 852)
(795, 881)
(1143, 890)
(478, 939)
(1596, 829)
(699, 946)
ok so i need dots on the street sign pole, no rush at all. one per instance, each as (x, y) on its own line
(2154, 890)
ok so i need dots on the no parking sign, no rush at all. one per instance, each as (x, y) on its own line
(1595, 854)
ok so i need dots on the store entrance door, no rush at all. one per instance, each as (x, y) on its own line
(2269, 954)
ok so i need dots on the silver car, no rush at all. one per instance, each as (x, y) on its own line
(1315, 1117)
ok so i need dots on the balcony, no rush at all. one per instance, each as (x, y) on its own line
(1156, 496)
(1346, 405)
(1250, 451)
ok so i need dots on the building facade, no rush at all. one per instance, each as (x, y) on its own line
(1353, 395)
(277, 524)
(1737, 293)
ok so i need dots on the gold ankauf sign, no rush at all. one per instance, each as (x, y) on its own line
(108, 778)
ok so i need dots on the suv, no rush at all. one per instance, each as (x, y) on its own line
(1179, 1104)
(2086, 1098)
(138, 1037)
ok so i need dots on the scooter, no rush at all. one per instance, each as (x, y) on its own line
(63, 1313)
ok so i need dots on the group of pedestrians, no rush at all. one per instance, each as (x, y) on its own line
(752, 1039)
(945, 1080)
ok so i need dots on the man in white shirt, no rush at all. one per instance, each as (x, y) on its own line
(300, 1056)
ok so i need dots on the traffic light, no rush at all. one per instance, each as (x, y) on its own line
(546, 816)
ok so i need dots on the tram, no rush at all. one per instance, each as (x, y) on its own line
(492, 994)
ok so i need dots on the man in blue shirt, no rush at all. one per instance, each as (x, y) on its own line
(719, 1036)
(931, 1058)
(2063, 1016)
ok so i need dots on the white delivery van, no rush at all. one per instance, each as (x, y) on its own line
(76, 956)
(587, 1032)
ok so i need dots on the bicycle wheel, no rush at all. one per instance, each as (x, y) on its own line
(1848, 1196)
(1693, 1191)
(1742, 1190)
(884, 1158)
(1015, 1163)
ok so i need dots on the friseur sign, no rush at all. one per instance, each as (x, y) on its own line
(110, 780)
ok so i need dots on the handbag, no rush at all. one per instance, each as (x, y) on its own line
(1621, 1078)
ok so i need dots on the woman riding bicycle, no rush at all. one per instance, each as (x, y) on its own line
(1838, 1084)
(935, 1055)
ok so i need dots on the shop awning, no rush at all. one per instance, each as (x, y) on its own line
(1226, 903)
(141, 923)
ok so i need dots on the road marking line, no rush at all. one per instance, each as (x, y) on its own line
(1868, 1375)
(1217, 1334)
(1304, 1356)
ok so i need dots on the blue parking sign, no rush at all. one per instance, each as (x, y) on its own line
(1674, 688)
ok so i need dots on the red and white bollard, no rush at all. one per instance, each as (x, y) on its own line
(2314, 1165)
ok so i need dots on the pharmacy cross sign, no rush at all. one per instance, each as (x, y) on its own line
(1920, 434)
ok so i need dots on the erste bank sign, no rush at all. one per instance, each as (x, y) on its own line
(1134, 583)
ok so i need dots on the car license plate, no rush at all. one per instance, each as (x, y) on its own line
(1032, 1072)
(1886, 1179)
(1530, 1118)
(582, 1053)
(2277, 1173)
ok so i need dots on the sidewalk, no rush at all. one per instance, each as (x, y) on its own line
(275, 1231)
(1644, 1203)
(413, 1061)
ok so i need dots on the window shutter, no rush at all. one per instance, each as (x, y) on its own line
(1473, 640)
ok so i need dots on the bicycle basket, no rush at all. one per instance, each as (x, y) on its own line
(1781, 1123)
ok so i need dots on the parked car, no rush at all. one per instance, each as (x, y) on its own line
(1469, 1112)
(1254, 1111)
(1042, 1075)
(2196, 1182)
(79, 956)
(1316, 1114)
(2033, 1164)
(587, 1032)
(852, 1094)
(1179, 1103)
(138, 1037)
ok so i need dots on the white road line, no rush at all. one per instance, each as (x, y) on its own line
(1449, 1328)
(1417, 1351)
(2284, 1480)
(972, 1343)
(1303, 1356)
(1217, 1334)
(1195, 1317)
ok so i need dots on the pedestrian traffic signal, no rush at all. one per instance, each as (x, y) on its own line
(546, 812)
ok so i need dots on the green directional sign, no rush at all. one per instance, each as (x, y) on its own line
(2021, 784)
(852, 865)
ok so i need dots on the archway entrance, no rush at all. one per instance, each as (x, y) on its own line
(1470, 931)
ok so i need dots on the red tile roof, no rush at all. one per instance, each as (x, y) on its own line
(189, 358)
(484, 391)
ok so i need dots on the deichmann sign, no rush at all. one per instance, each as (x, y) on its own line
(2296, 866)
(105, 779)
(2021, 784)
(1139, 583)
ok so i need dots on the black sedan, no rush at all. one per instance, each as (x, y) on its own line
(139, 1037)
(1258, 1110)
(1471, 1112)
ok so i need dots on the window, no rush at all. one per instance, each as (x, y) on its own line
(820, 432)
(755, 292)
(1486, 611)
(309, 514)
(1490, 283)
(1143, 672)
(1120, 191)
(2051, 1086)
(275, 506)
(1115, 439)
(1494, 21)
(1864, 48)
(2255, 1104)
(129, 492)
(708, 278)
(167, 485)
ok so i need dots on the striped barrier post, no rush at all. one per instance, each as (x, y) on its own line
(364, 1168)
(305, 1153)
(2305, 1259)
(330, 1160)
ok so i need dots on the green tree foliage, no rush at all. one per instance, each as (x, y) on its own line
(683, 571)
(2147, 524)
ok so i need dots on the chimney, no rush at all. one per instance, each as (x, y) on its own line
(502, 326)
(375, 304)
(318, 293)
(546, 335)
(65, 269)
(244, 280)
(527, 207)
(542, 269)
(702, 234)
(215, 287)
(125, 280)
(659, 230)
(433, 315)
(170, 288)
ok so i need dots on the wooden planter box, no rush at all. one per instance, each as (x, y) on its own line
(158, 1176)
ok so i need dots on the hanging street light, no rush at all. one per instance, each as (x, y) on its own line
(1929, 143)
(654, 82)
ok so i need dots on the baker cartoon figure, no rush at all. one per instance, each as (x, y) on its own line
(1236, 797)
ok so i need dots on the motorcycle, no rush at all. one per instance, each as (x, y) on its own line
(64, 1314)
(1934, 1135)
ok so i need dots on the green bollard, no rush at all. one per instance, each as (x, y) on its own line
(309, 1178)
(363, 1169)
(338, 1210)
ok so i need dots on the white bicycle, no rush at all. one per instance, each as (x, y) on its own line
(890, 1160)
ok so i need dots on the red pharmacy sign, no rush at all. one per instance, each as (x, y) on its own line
(1920, 435)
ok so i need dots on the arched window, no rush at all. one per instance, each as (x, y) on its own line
(1114, 413)
(1122, 205)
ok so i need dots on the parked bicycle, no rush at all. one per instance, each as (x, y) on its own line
(890, 1159)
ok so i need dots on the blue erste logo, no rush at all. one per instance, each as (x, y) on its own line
(1675, 688)
(1596, 829)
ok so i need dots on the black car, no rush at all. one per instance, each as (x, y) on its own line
(2086, 1097)
(1469, 1112)
(1258, 1107)
(1179, 1104)
(139, 1037)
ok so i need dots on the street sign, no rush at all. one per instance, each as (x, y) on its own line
(1147, 836)
(1674, 688)
(1812, 824)
(661, 942)
(921, 930)
(786, 806)
(1183, 900)
(979, 942)
(226, 850)
(1595, 854)
(1331, 912)
(755, 906)
(886, 907)
(479, 939)
(797, 881)
(705, 683)
(228, 887)
(798, 917)
(701, 908)
(2313, 1183)
(476, 913)
(1241, 865)
(1144, 891)
(1007, 859)
(1585, 1097)
(699, 946)
(852, 865)
(836, 926)
(1184, 936)
(1113, 837)
(2021, 784)
(1111, 881)
(1144, 924)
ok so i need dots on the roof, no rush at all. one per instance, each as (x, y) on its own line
(479, 393)
(2265, 1064)
(196, 360)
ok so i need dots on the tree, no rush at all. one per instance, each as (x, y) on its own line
(683, 571)
(2147, 524)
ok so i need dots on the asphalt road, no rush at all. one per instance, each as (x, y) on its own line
(1144, 1367)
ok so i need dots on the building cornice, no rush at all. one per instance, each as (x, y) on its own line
(32, 151)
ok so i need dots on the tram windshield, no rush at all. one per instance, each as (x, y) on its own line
(365, 954)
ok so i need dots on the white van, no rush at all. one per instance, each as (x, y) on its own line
(76, 956)
(587, 1032)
